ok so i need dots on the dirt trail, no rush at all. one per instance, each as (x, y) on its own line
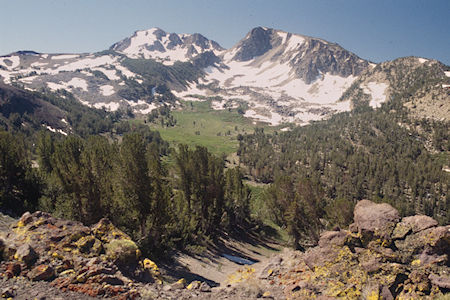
(216, 264)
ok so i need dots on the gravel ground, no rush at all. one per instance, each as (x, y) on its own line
(22, 288)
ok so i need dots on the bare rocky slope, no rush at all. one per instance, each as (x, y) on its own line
(380, 256)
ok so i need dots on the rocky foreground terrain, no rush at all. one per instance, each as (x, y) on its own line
(380, 256)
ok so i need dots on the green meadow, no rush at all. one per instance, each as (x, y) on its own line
(198, 124)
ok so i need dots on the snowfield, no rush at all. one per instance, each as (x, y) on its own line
(78, 83)
(107, 90)
(377, 91)
(65, 56)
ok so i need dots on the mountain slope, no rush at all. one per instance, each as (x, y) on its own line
(28, 112)
(282, 76)
(20, 109)
(272, 75)
(137, 73)
(421, 84)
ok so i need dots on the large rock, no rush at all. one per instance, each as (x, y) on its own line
(429, 246)
(41, 272)
(373, 260)
(375, 220)
(413, 224)
(2, 247)
(73, 256)
(440, 281)
(333, 238)
(26, 254)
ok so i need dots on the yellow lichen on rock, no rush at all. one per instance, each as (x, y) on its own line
(150, 265)
(374, 295)
(415, 262)
(193, 284)
(241, 275)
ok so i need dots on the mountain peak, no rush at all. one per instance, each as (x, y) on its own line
(255, 43)
(166, 47)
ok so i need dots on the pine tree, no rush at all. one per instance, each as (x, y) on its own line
(19, 183)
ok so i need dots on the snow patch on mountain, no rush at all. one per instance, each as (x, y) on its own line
(54, 130)
(111, 106)
(10, 62)
(149, 109)
(65, 56)
(111, 74)
(107, 90)
(377, 91)
(77, 82)
(88, 62)
(127, 73)
(294, 42)
(56, 86)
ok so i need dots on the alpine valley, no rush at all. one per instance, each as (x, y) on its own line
(169, 167)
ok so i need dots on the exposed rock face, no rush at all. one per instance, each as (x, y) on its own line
(311, 57)
(316, 57)
(384, 258)
(256, 43)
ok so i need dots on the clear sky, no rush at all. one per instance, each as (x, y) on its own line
(377, 30)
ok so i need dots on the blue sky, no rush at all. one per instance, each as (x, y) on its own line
(375, 30)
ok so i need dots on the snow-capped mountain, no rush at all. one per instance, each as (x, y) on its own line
(165, 47)
(283, 77)
(275, 75)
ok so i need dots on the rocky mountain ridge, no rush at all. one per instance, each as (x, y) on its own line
(275, 76)
(166, 47)
(281, 77)
(420, 83)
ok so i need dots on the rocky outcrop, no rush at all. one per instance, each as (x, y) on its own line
(98, 261)
(381, 257)
(318, 57)
(256, 43)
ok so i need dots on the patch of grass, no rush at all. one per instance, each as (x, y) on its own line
(198, 124)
